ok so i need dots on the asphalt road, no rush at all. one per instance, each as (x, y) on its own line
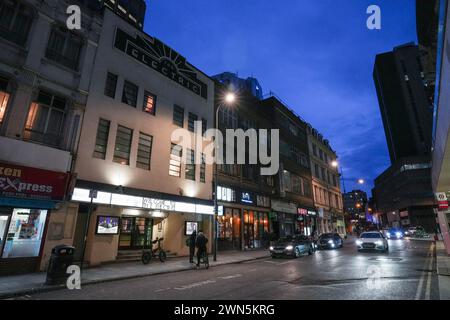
(408, 272)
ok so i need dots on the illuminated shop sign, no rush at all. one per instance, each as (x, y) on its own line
(82, 195)
(246, 198)
(302, 211)
(31, 183)
(158, 56)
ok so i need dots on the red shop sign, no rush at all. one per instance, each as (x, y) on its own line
(31, 183)
(302, 211)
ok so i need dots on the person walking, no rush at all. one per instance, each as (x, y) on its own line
(200, 243)
(191, 244)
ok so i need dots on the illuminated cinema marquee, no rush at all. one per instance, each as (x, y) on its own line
(158, 56)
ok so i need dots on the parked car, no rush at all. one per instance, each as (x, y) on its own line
(412, 231)
(372, 240)
(395, 233)
(292, 246)
(330, 241)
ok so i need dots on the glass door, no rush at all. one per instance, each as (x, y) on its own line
(4, 221)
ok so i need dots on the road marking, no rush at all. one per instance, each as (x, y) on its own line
(195, 285)
(422, 277)
(428, 289)
(234, 276)
(280, 263)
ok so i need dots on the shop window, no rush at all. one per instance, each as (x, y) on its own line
(176, 152)
(144, 151)
(191, 121)
(190, 165)
(64, 47)
(178, 116)
(123, 145)
(45, 119)
(204, 126)
(130, 93)
(111, 85)
(24, 235)
(101, 141)
(4, 98)
(149, 103)
(15, 21)
(203, 169)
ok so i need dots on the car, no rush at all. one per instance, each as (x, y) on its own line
(412, 231)
(372, 240)
(395, 233)
(330, 241)
(292, 246)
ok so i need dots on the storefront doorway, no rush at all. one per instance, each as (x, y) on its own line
(4, 221)
(135, 233)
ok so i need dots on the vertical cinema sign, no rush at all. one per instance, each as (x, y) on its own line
(161, 58)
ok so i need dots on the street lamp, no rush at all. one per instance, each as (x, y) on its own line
(361, 181)
(229, 99)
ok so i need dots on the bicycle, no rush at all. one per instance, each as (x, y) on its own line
(158, 252)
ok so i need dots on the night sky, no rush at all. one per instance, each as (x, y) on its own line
(317, 55)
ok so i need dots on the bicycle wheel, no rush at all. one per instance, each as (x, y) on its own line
(146, 257)
(162, 256)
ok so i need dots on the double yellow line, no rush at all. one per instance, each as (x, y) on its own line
(427, 272)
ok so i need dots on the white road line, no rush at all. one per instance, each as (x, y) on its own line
(234, 276)
(195, 285)
(422, 277)
(279, 263)
(428, 288)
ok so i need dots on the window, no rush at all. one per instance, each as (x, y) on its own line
(123, 145)
(190, 165)
(4, 98)
(130, 93)
(64, 47)
(111, 85)
(204, 126)
(178, 116)
(101, 142)
(203, 169)
(45, 119)
(315, 150)
(307, 190)
(324, 174)
(191, 122)
(226, 194)
(321, 154)
(334, 181)
(15, 21)
(149, 103)
(296, 184)
(176, 152)
(317, 171)
(144, 153)
(287, 181)
(228, 118)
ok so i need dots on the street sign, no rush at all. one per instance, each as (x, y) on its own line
(442, 201)
(93, 194)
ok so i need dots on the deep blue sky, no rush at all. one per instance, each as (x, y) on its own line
(317, 55)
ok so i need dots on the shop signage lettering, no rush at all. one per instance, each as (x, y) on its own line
(150, 203)
(31, 183)
(158, 56)
(302, 212)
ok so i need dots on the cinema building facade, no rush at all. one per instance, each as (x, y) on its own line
(131, 178)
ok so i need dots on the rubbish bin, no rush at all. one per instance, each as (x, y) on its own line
(60, 260)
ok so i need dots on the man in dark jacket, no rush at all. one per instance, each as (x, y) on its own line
(200, 243)
(191, 242)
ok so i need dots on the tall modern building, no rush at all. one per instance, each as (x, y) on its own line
(235, 83)
(403, 192)
(405, 108)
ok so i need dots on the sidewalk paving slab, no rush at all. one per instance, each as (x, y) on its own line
(443, 270)
(13, 286)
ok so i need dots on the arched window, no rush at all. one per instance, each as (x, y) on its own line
(15, 21)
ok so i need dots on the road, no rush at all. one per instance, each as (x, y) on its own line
(408, 272)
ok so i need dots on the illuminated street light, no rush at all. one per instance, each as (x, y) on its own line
(230, 98)
(361, 181)
(334, 164)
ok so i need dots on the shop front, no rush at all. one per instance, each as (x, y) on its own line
(284, 218)
(243, 219)
(306, 221)
(27, 196)
(125, 222)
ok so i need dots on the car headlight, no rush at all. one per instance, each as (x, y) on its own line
(398, 234)
(358, 242)
(388, 234)
(271, 248)
(330, 242)
(289, 248)
(379, 243)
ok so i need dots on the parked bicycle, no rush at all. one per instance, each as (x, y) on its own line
(158, 252)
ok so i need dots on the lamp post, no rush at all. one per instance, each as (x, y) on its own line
(230, 98)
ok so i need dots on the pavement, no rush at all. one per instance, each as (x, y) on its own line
(443, 270)
(13, 286)
(408, 272)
